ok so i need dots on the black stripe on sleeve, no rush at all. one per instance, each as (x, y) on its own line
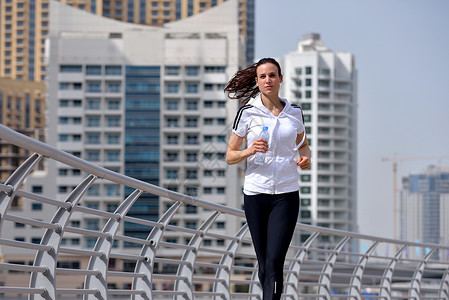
(302, 115)
(239, 115)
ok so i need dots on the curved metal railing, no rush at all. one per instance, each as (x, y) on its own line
(103, 262)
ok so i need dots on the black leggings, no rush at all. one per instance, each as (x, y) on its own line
(271, 220)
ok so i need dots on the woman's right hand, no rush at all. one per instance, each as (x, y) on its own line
(259, 145)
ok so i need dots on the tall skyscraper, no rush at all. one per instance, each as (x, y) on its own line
(424, 208)
(324, 84)
(24, 26)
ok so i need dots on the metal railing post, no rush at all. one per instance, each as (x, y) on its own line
(146, 266)
(355, 289)
(104, 246)
(224, 274)
(325, 280)
(186, 271)
(414, 292)
(444, 286)
(385, 284)
(48, 259)
(291, 283)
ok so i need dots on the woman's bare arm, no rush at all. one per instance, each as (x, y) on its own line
(234, 155)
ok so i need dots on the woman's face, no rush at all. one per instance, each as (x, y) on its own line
(268, 79)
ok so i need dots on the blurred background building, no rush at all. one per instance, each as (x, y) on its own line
(424, 206)
(24, 26)
(324, 84)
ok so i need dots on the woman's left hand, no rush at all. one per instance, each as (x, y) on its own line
(303, 162)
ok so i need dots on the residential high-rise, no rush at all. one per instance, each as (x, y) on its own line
(22, 107)
(324, 84)
(24, 26)
(424, 207)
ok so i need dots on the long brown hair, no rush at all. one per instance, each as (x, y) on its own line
(243, 85)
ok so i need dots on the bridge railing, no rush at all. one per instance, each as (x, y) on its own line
(70, 248)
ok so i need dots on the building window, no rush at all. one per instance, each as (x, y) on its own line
(113, 70)
(306, 106)
(308, 94)
(171, 174)
(191, 122)
(171, 156)
(113, 139)
(191, 105)
(93, 86)
(305, 190)
(93, 70)
(191, 224)
(308, 82)
(191, 174)
(192, 88)
(171, 70)
(305, 202)
(113, 190)
(112, 156)
(306, 214)
(192, 70)
(221, 138)
(19, 225)
(214, 69)
(70, 68)
(94, 190)
(93, 156)
(191, 157)
(63, 137)
(93, 138)
(113, 104)
(190, 209)
(305, 178)
(113, 121)
(37, 189)
(307, 118)
(308, 70)
(113, 87)
(192, 139)
(172, 139)
(111, 207)
(172, 88)
(93, 104)
(324, 190)
(93, 121)
(171, 105)
(36, 206)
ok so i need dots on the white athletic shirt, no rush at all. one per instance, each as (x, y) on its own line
(279, 173)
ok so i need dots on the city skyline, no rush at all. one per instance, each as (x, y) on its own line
(399, 48)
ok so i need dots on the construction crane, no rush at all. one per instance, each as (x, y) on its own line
(395, 159)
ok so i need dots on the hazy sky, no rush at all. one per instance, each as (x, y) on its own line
(402, 56)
